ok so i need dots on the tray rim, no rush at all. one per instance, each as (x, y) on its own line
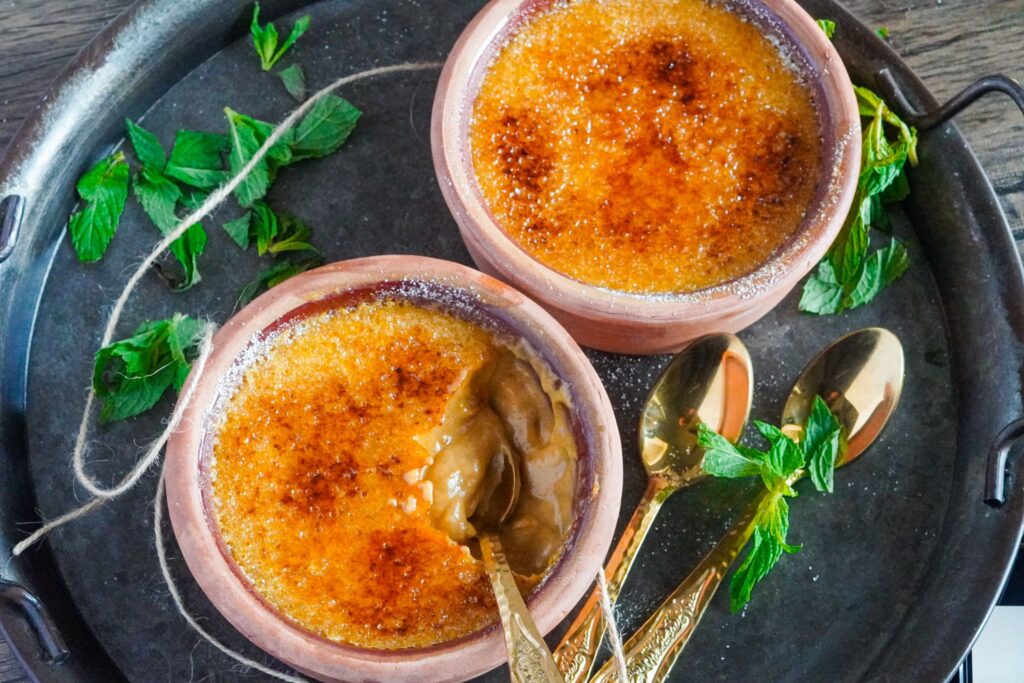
(26, 165)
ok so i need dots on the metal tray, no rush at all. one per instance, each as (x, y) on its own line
(900, 568)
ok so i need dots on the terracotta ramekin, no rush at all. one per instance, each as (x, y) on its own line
(620, 321)
(598, 491)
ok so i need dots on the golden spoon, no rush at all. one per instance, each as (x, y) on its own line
(860, 377)
(710, 381)
(529, 659)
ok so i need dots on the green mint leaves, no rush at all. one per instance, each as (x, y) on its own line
(273, 233)
(159, 196)
(265, 38)
(148, 149)
(779, 467)
(828, 26)
(104, 189)
(320, 132)
(853, 275)
(132, 374)
(197, 159)
(325, 128)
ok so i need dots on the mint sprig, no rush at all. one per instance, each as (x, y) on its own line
(273, 233)
(265, 38)
(778, 468)
(132, 374)
(852, 275)
(320, 132)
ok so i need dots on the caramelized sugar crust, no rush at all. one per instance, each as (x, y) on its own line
(314, 475)
(309, 465)
(647, 146)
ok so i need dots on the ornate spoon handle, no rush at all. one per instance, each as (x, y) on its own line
(529, 660)
(575, 654)
(653, 649)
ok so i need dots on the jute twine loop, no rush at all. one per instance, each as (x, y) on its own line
(102, 494)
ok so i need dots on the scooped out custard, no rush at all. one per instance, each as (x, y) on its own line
(645, 146)
(349, 460)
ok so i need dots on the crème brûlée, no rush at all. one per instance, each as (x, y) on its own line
(349, 459)
(646, 146)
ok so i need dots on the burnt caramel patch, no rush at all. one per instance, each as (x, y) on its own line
(646, 147)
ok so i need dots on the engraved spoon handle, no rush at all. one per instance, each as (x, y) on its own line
(575, 655)
(529, 660)
(653, 649)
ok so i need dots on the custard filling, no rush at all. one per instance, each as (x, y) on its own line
(347, 463)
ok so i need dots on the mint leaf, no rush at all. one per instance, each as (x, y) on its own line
(821, 443)
(776, 521)
(187, 250)
(883, 33)
(265, 39)
(159, 198)
(263, 227)
(132, 374)
(769, 542)
(785, 457)
(294, 80)
(762, 556)
(238, 229)
(828, 26)
(104, 189)
(325, 128)
(293, 235)
(273, 233)
(193, 199)
(275, 275)
(822, 294)
(196, 159)
(300, 27)
(244, 145)
(147, 148)
(722, 459)
(882, 268)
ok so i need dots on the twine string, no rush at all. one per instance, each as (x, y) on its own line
(612, 628)
(102, 494)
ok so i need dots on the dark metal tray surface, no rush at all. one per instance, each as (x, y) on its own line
(900, 568)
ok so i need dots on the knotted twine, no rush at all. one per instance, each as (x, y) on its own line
(102, 494)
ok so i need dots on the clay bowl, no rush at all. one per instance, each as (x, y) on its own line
(635, 323)
(598, 489)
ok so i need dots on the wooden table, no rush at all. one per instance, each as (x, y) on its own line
(948, 43)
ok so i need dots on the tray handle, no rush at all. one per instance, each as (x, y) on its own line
(50, 640)
(965, 98)
(11, 209)
(995, 475)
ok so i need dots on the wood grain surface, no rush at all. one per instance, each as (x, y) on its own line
(948, 43)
